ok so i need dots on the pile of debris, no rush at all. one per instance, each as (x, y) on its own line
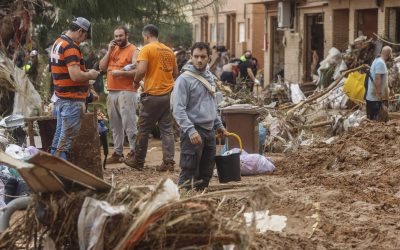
(127, 218)
(17, 93)
(337, 104)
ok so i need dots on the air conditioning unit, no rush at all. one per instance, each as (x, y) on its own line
(284, 14)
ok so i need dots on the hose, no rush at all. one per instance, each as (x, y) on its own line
(20, 203)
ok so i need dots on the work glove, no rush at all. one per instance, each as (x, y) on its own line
(257, 82)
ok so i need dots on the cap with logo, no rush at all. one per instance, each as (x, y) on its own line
(84, 24)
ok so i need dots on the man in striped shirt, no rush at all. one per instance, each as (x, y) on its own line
(71, 84)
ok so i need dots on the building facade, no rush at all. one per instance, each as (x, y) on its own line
(321, 25)
(289, 33)
(235, 24)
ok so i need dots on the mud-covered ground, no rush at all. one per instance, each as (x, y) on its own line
(336, 196)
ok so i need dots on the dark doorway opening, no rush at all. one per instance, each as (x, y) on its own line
(277, 50)
(231, 33)
(314, 52)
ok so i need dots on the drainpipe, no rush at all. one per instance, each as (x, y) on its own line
(20, 203)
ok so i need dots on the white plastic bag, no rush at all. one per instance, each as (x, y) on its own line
(91, 222)
(16, 152)
(251, 164)
(296, 94)
(20, 153)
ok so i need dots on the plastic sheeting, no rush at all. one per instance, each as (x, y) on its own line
(296, 93)
(27, 101)
(91, 222)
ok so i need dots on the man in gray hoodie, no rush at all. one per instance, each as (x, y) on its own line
(195, 110)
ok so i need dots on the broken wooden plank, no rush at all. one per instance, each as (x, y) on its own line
(38, 179)
(68, 170)
(50, 181)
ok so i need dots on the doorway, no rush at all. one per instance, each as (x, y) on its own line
(314, 51)
(231, 34)
(277, 51)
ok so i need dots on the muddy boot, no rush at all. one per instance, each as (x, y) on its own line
(115, 158)
(131, 162)
(166, 166)
(130, 155)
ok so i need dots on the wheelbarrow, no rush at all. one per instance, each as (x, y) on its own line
(228, 166)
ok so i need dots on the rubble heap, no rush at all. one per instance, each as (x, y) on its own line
(357, 181)
(135, 217)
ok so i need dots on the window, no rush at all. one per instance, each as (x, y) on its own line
(221, 33)
(242, 32)
(393, 24)
(213, 29)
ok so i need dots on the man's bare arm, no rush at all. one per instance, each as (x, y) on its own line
(77, 75)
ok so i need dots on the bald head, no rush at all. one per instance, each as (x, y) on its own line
(386, 53)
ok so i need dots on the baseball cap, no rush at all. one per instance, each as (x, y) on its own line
(84, 24)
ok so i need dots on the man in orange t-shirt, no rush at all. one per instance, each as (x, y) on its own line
(157, 64)
(120, 62)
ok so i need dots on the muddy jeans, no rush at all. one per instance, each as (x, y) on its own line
(155, 109)
(69, 117)
(121, 107)
(197, 161)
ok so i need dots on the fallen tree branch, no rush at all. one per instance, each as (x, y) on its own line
(322, 93)
(386, 41)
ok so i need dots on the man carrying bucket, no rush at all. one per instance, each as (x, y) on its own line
(195, 110)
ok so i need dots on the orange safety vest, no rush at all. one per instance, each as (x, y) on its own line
(65, 52)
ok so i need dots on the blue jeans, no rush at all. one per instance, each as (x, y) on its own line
(68, 114)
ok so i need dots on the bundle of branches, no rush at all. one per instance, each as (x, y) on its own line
(281, 132)
(362, 51)
(56, 216)
(191, 222)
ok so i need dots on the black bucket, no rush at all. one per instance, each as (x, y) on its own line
(228, 167)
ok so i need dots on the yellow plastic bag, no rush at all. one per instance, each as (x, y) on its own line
(354, 86)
